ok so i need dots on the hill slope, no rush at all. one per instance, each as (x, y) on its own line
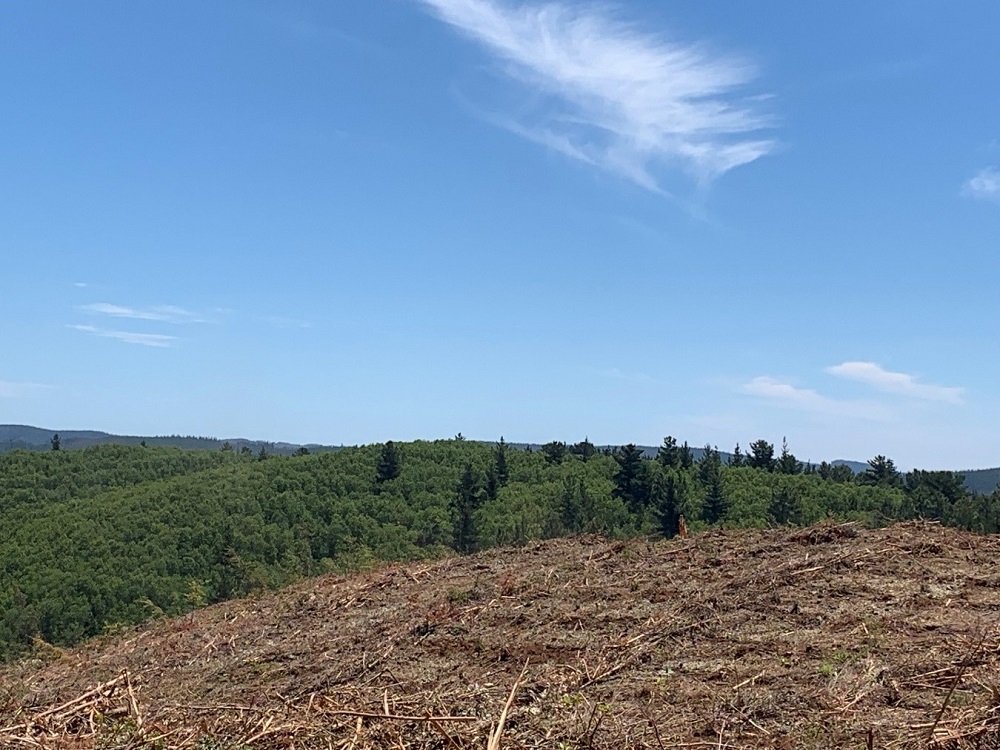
(24, 437)
(782, 638)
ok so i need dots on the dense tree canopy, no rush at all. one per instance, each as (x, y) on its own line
(94, 538)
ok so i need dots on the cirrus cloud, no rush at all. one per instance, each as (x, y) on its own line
(10, 389)
(160, 313)
(129, 337)
(614, 97)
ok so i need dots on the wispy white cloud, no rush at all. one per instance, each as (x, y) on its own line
(899, 383)
(615, 97)
(805, 399)
(161, 313)
(616, 373)
(80, 284)
(129, 337)
(772, 388)
(984, 186)
(9, 389)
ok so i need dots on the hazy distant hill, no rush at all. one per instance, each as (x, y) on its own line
(25, 437)
(856, 466)
(983, 481)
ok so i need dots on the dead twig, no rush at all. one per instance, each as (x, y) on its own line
(497, 734)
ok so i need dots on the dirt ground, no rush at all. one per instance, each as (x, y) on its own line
(828, 637)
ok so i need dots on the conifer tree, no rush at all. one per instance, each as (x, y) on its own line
(492, 488)
(584, 449)
(554, 451)
(685, 456)
(668, 495)
(710, 475)
(716, 504)
(709, 465)
(390, 463)
(882, 472)
(787, 463)
(782, 507)
(500, 467)
(761, 455)
(631, 482)
(465, 537)
(737, 459)
(668, 454)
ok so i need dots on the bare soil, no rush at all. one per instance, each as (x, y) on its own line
(829, 637)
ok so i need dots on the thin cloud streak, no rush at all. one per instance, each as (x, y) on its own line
(160, 313)
(618, 99)
(129, 337)
(616, 373)
(808, 400)
(984, 186)
(9, 389)
(898, 383)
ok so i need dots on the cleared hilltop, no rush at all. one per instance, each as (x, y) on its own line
(826, 637)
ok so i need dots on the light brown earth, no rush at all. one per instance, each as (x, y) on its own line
(829, 637)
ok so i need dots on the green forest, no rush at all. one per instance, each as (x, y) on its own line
(107, 536)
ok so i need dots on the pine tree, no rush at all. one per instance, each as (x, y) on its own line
(685, 456)
(465, 537)
(709, 465)
(737, 459)
(782, 507)
(881, 472)
(761, 455)
(500, 467)
(631, 482)
(668, 454)
(390, 463)
(492, 488)
(716, 504)
(55, 442)
(668, 496)
(584, 450)
(710, 475)
(554, 451)
(787, 463)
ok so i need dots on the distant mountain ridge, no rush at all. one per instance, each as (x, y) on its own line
(26, 437)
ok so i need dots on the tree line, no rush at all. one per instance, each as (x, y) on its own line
(113, 535)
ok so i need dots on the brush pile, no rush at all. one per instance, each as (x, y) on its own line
(829, 637)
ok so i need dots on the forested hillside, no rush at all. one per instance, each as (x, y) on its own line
(112, 535)
(22, 437)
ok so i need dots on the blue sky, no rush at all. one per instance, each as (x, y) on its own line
(351, 222)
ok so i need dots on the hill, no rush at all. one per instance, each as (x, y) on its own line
(983, 481)
(826, 637)
(24, 437)
(112, 535)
